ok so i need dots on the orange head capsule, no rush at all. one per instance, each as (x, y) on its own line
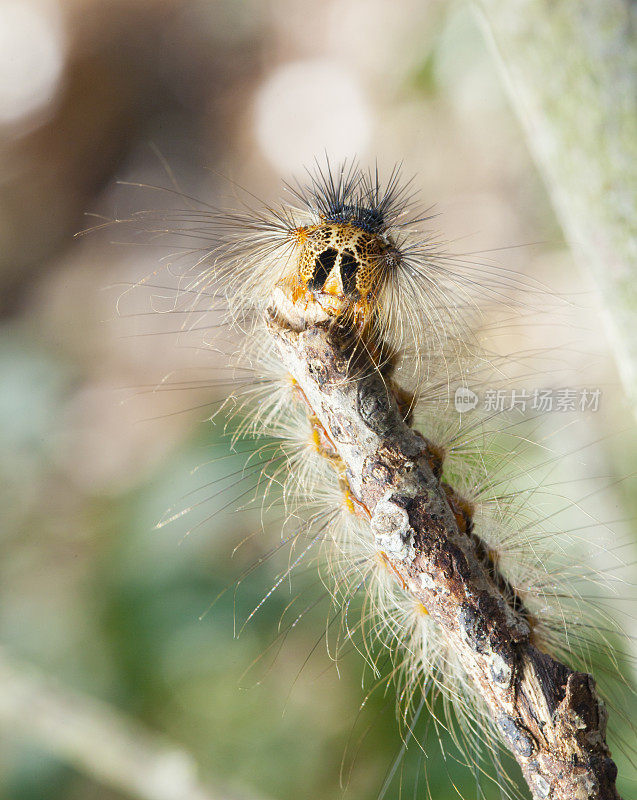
(339, 261)
(340, 268)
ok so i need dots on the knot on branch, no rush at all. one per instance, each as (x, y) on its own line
(582, 714)
(390, 524)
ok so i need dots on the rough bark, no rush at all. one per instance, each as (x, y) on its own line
(549, 716)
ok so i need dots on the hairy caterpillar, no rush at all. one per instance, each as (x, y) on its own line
(355, 323)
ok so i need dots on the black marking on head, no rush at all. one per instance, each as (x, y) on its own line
(345, 193)
(370, 220)
(323, 266)
(349, 268)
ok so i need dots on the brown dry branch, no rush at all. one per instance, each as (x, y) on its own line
(549, 717)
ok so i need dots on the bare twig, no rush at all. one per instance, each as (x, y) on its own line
(550, 717)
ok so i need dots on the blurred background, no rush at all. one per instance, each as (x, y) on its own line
(117, 679)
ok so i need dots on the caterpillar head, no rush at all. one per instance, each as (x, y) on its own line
(349, 248)
(343, 257)
(338, 270)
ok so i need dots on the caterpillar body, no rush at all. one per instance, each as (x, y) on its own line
(357, 324)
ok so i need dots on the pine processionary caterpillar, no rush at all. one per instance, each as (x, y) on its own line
(356, 324)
